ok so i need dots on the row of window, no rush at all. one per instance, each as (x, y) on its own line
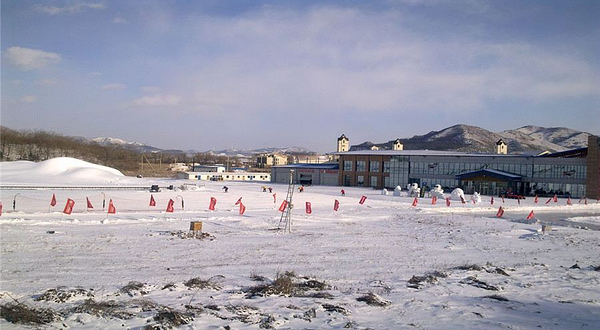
(402, 165)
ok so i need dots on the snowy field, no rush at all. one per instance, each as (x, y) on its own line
(381, 265)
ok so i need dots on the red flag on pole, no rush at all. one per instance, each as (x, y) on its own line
(555, 198)
(89, 204)
(569, 201)
(69, 206)
(242, 208)
(492, 201)
(549, 200)
(336, 205)
(530, 216)
(447, 201)
(283, 206)
(500, 212)
(152, 201)
(536, 200)
(415, 201)
(111, 207)
(362, 200)
(308, 208)
(274, 198)
(213, 203)
(53, 201)
(170, 205)
(239, 201)
(433, 200)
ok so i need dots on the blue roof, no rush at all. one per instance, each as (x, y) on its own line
(325, 166)
(490, 173)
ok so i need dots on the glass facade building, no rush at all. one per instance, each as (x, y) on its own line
(489, 174)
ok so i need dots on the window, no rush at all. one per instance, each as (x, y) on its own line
(346, 180)
(374, 166)
(386, 166)
(360, 180)
(347, 165)
(360, 166)
(373, 181)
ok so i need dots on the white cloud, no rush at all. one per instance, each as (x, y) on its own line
(113, 86)
(28, 99)
(150, 89)
(157, 100)
(31, 59)
(120, 20)
(45, 82)
(338, 59)
(75, 8)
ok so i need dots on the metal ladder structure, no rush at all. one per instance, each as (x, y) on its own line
(286, 216)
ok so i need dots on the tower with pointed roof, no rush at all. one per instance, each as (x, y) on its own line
(501, 147)
(343, 144)
(397, 145)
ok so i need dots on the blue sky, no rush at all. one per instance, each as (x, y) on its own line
(246, 74)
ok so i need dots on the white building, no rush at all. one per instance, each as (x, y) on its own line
(225, 176)
(208, 168)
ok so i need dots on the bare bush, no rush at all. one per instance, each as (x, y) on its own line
(22, 314)
(215, 283)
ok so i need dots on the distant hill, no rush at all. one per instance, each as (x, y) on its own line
(140, 147)
(268, 150)
(527, 139)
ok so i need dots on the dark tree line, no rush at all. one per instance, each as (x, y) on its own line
(40, 145)
(37, 145)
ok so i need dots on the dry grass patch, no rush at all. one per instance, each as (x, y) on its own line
(22, 314)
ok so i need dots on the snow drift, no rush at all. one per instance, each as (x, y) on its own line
(61, 171)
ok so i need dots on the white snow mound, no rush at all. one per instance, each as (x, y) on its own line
(62, 170)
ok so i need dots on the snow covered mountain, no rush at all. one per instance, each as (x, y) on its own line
(527, 139)
(137, 146)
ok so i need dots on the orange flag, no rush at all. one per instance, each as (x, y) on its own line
(111, 207)
(283, 206)
(500, 212)
(170, 207)
(530, 216)
(69, 206)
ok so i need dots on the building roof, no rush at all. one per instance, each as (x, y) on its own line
(420, 153)
(490, 173)
(324, 166)
(574, 153)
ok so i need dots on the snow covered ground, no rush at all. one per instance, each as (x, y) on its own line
(381, 265)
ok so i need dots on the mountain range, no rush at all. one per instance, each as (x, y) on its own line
(140, 147)
(527, 139)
